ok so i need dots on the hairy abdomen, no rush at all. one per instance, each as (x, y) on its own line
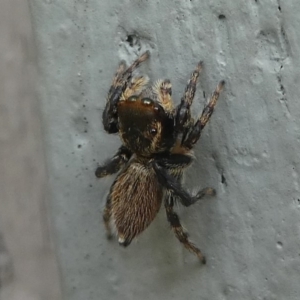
(136, 197)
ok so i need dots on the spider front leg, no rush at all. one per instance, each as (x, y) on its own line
(119, 84)
(183, 113)
(194, 132)
(178, 230)
(113, 165)
(163, 89)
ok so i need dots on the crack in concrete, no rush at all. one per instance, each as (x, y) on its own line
(283, 98)
(285, 47)
(285, 44)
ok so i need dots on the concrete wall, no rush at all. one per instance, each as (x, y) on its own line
(249, 151)
(28, 266)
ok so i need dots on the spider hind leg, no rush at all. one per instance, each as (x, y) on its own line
(179, 232)
(164, 169)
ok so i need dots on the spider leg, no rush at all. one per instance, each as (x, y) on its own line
(134, 87)
(178, 230)
(119, 84)
(107, 216)
(172, 184)
(163, 89)
(114, 164)
(176, 163)
(183, 114)
(193, 136)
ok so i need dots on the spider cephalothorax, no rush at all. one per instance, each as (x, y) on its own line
(145, 128)
(157, 141)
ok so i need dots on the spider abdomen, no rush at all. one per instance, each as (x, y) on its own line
(136, 198)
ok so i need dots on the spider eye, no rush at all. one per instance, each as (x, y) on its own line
(132, 98)
(147, 101)
(153, 131)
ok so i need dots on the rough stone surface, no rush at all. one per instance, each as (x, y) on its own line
(249, 152)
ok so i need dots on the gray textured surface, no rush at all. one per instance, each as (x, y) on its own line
(28, 265)
(250, 232)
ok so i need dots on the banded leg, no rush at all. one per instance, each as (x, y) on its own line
(163, 89)
(183, 114)
(134, 87)
(180, 233)
(114, 164)
(195, 132)
(119, 84)
(172, 181)
(106, 217)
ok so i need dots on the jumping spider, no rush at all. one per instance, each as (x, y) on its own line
(157, 141)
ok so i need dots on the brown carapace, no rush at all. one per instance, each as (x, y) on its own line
(157, 140)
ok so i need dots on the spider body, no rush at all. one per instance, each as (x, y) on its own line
(157, 141)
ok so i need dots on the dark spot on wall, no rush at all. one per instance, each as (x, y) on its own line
(223, 179)
(279, 8)
(79, 146)
(279, 245)
(134, 41)
(281, 88)
(130, 40)
(222, 17)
